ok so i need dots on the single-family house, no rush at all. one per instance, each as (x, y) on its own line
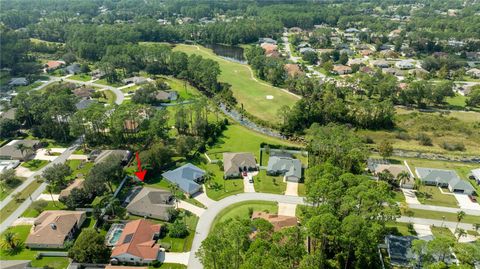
(365, 52)
(83, 92)
(136, 80)
(476, 175)
(76, 184)
(295, 30)
(396, 170)
(15, 264)
(269, 48)
(380, 63)
(367, 70)
(152, 203)
(405, 64)
(52, 228)
(11, 152)
(52, 65)
(305, 50)
(130, 125)
(22, 81)
(166, 96)
(444, 178)
(393, 71)
(352, 30)
(356, 61)
(73, 69)
(9, 114)
(341, 69)
(98, 157)
(137, 243)
(289, 167)
(278, 221)
(267, 40)
(347, 51)
(472, 55)
(293, 70)
(188, 178)
(395, 33)
(474, 73)
(399, 249)
(236, 163)
(85, 103)
(97, 74)
(8, 164)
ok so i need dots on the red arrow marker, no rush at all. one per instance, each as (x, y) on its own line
(140, 173)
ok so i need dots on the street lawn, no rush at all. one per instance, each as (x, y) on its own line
(301, 189)
(169, 266)
(32, 213)
(454, 127)
(241, 139)
(15, 203)
(269, 184)
(81, 77)
(35, 165)
(249, 91)
(23, 253)
(106, 83)
(241, 210)
(131, 88)
(431, 195)
(427, 214)
(442, 231)
(400, 228)
(399, 197)
(7, 189)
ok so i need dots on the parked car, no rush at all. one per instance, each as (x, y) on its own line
(473, 198)
(250, 180)
(244, 173)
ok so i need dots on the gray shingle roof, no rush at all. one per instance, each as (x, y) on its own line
(151, 202)
(285, 165)
(441, 176)
(399, 249)
(185, 177)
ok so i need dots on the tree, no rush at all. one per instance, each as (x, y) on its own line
(23, 149)
(108, 171)
(310, 56)
(8, 178)
(56, 174)
(385, 148)
(39, 205)
(10, 241)
(178, 229)
(460, 216)
(8, 128)
(473, 99)
(89, 248)
(460, 232)
(403, 177)
(343, 58)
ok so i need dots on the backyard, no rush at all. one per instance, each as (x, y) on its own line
(248, 90)
(242, 210)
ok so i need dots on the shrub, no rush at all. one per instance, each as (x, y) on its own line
(156, 264)
(455, 146)
(402, 136)
(424, 139)
(39, 205)
(178, 229)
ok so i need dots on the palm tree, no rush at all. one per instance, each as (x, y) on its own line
(10, 241)
(460, 216)
(402, 177)
(207, 178)
(23, 148)
(50, 189)
(174, 189)
(460, 232)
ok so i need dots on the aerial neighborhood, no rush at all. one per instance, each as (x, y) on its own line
(239, 134)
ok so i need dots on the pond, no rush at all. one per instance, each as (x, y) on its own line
(231, 53)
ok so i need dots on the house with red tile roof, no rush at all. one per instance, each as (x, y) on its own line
(137, 243)
(278, 221)
(52, 65)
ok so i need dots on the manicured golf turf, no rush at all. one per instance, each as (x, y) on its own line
(249, 91)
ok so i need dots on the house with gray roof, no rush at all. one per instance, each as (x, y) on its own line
(289, 167)
(188, 178)
(73, 69)
(236, 163)
(305, 50)
(18, 82)
(152, 203)
(10, 151)
(476, 175)
(444, 178)
(399, 249)
(85, 103)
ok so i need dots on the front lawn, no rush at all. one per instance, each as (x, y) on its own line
(79, 168)
(35, 165)
(269, 184)
(431, 195)
(242, 210)
(81, 77)
(301, 189)
(442, 231)
(15, 203)
(401, 229)
(31, 212)
(105, 82)
(183, 244)
(427, 214)
(169, 266)
(23, 253)
(220, 188)
(109, 97)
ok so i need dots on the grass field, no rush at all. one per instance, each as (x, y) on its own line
(110, 97)
(105, 82)
(6, 190)
(442, 231)
(185, 91)
(35, 165)
(29, 254)
(399, 228)
(249, 91)
(426, 214)
(220, 188)
(240, 210)
(269, 184)
(14, 204)
(81, 77)
(169, 266)
(458, 101)
(431, 195)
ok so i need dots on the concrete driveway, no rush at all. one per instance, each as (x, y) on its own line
(23, 221)
(410, 197)
(203, 198)
(292, 188)
(192, 208)
(465, 203)
(464, 239)
(43, 154)
(424, 232)
(174, 257)
(247, 186)
(23, 172)
(78, 157)
(287, 209)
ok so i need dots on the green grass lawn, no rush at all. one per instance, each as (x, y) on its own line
(442, 231)
(240, 139)
(105, 82)
(14, 204)
(399, 197)
(246, 89)
(398, 228)
(35, 165)
(131, 88)
(185, 90)
(456, 102)
(426, 214)
(32, 213)
(431, 195)
(81, 77)
(183, 244)
(220, 188)
(109, 98)
(28, 87)
(79, 168)
(241, 210)
(301, 189)
(169, 266)
(269, 184)
(29, 254)
(8, 189)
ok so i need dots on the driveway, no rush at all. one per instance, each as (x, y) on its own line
(43, 154)
(192, 208)
(23, 172)
(287, 209)
(410, 197)
(465, 203)
(174, 257)
(292, 188)
(203, 198)
(78, 157)
(464, 239)
(424, 232)
(247, 186)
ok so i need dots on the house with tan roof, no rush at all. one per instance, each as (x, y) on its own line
(293, 70)
(396, 170)
(152, 203)
(77, 184)
(137, 243)
(278, 221)
(236, 163)
(52, 228)
(342, 69)
(269, 48)
(11, 152)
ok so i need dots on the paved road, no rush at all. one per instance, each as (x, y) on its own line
(118, 93)
(19, 211)
(206, 219)
(296, 59)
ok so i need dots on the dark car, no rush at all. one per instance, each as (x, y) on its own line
(250, 180)
(473, 198)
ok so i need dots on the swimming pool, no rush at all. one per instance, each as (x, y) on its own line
(114, 234)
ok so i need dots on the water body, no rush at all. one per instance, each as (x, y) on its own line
(231, 53)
